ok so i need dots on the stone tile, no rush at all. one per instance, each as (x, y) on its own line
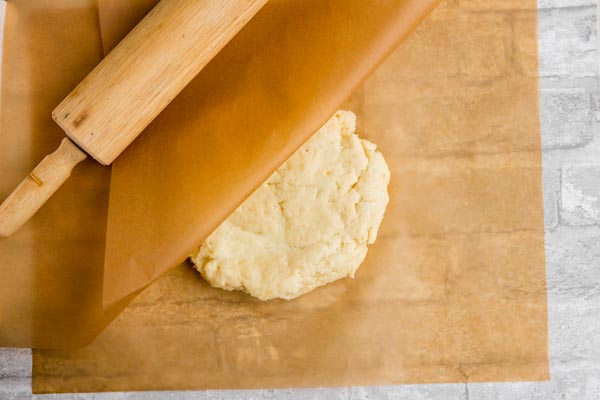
(551, 197)
(15, 363)
(580, 195)
(568, 42)
(15, 388)
(574, 331)
(565, 3)
(409, 392)
(566, 118)
(304, 394)
(579, 382)
(573, 264)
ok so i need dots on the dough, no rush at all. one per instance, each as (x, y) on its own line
(309, 224)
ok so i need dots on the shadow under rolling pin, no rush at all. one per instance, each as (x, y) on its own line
(127, 90)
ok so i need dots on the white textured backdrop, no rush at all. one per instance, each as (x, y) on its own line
(570, 116)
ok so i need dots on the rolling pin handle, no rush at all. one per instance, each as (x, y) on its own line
(38, 187)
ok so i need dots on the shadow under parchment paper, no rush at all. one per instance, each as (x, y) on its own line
(64, 242)
(452, 291)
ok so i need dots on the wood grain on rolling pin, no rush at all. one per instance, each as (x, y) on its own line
(41, 183)
(139, 78)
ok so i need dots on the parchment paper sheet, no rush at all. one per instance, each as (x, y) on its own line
(454, 289)
(51, 270)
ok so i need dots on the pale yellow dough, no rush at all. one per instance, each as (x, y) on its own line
(309, 224)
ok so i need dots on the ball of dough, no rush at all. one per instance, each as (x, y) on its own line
(309, 224)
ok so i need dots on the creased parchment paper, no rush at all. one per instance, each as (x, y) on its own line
(454, 288)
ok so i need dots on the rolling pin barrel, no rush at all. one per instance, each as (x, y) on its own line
(137, 80)
(128, 89)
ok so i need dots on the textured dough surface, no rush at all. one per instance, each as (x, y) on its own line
(309, 224)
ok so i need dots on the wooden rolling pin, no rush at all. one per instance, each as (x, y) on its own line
(127, 90)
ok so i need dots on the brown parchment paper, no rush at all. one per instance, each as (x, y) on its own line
(454, 288)
(52, 271)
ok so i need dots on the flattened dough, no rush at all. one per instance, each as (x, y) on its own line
(309, 224)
